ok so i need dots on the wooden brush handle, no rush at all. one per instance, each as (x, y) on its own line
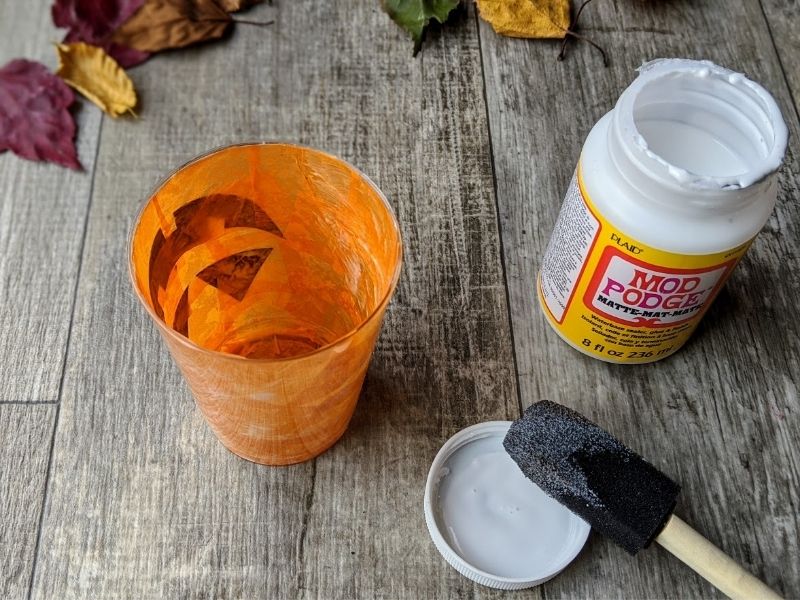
(710, 562)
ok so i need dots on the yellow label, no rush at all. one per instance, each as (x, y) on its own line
(617, 299)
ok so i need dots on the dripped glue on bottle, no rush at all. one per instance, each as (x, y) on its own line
(671, 188)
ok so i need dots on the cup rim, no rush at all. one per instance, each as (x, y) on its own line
(185, 341)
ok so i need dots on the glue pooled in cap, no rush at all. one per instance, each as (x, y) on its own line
(489, 521)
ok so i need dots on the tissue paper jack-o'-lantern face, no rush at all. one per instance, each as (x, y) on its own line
(265, 255)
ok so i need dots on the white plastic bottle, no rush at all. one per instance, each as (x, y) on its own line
(671, 188)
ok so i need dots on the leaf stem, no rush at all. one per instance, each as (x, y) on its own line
(589, 41)
(578, 14)
(571, 33)
(243, 21)
(258, 23)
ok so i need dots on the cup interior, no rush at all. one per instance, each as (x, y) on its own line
(265, 250)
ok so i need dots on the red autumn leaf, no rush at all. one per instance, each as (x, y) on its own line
(94, 22)
(34, 120)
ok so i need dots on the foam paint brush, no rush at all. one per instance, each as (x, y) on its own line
(617, 492)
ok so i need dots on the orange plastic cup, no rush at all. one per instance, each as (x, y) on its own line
(267, 268)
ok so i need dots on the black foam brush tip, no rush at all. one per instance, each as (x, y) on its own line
(592, 473)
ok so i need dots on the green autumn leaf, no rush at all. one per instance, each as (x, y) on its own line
(414, 15)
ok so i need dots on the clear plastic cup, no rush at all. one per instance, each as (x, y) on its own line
(267, 268)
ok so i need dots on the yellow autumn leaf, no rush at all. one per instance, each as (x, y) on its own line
(527, 18)
(97, 76)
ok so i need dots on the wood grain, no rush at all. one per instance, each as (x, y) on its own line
(143, 501)
(783, 18)
(25, 436)
(711, 563)
(42, 214)
(722, 415)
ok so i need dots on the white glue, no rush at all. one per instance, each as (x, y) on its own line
(489, 521)
(671, 188)
(481, 484)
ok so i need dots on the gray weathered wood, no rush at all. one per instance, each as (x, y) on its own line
(25, 436)
(42, 213)
(143, 501)
(783, 18)
(722, 415)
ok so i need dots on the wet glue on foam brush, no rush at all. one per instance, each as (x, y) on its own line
(671, 188)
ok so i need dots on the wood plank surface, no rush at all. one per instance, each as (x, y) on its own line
(783, 18)
(25, 436)
(722, 415)
(42, 215)
(143, 502)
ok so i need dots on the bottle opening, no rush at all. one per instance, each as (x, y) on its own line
(706, 125)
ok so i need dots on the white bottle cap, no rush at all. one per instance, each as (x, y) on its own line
(490, 522)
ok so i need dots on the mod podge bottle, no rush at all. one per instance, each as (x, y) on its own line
(671, 188)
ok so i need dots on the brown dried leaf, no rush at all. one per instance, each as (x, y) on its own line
(97, 76)
(526, 18)
(163, 24)
(237, 5)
